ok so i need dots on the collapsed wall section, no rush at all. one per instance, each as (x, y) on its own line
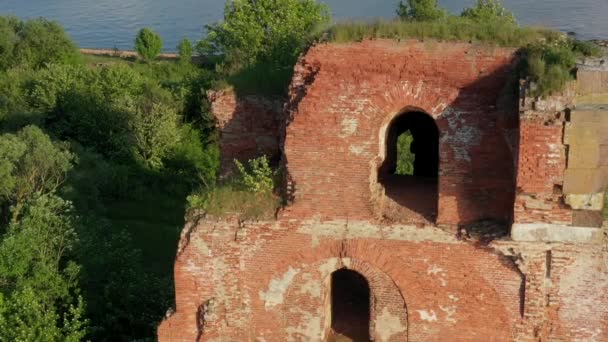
(563, 156)
(249, 127)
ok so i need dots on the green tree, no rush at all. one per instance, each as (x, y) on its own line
(30, 163)
(39, 298)
(34, 43)
(420, 10)
(489, 11)
(184, 49)
(148, 44)
(405, 157)
(267, 31)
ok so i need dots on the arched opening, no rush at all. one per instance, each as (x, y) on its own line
(410, 171)
(350, 306)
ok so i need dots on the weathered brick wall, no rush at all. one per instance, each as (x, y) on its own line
(542, 160)
(249, 126)
(344, 96)
(269, 281)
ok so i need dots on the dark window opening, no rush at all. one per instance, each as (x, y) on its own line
(350, 306)
(411, 168)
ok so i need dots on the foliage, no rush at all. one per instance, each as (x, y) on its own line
(39, 298)
(420, 10)
(30, 163)
(184, 49)
(195, 161)
(405, 157)
(148, 44)
(34, 43)
(488, 11)
(550, 64)
(450, 29)
(231, 200)
(258, 177)
(248, 195)
(274, 31)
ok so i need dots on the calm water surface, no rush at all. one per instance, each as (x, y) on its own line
(113, 23)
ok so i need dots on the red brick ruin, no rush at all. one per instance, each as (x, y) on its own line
(497, 236)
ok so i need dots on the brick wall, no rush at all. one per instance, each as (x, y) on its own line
(345, 95)
(269, 281)
(249, 126)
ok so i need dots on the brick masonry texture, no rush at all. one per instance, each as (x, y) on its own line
(249, 127)
(503, 159)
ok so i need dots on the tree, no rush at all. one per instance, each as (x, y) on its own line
(185, 51)
(266, 31)
(39, 298)
(30, 164)
(489, 11)
(148, 44)
(34, 43)
(420, 10)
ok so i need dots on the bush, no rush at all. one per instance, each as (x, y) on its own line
(420, 10)
(34, 43)
(272, 31)
(148, 44)
(30, 163)
(258, 177)
(185, 51)
(249, 195)
(39, 298)
(489, 11)
(550, 64)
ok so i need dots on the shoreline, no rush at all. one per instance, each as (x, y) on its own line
(132, 54)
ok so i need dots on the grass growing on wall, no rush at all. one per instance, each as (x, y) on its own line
(449, 29)
(548, 56)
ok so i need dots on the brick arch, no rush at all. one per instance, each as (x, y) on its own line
(306, 310)
(445, 295)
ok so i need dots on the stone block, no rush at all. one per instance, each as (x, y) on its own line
(585, 156)
(586, 201)
(587, 218)
(583, 181)
(544, 232)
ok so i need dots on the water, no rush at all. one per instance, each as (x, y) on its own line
(114, 23)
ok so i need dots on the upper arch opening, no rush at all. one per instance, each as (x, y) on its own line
(410, 171)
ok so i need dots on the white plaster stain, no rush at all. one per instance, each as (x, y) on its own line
(349, 127)
(462, 137)
(388, 325)
(450, 311)
(277, 288)
(429, 316)
(434, 270)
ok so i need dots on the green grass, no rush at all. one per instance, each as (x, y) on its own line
(449, 29)
(228, 200)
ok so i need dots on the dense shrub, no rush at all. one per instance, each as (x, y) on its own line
(184, 49)
(486, 11)
(30, 164)
(420, 10)
(148, 44)
(34, 43)
(267, 31)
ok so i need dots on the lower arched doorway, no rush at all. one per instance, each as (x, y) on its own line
(350, 306)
